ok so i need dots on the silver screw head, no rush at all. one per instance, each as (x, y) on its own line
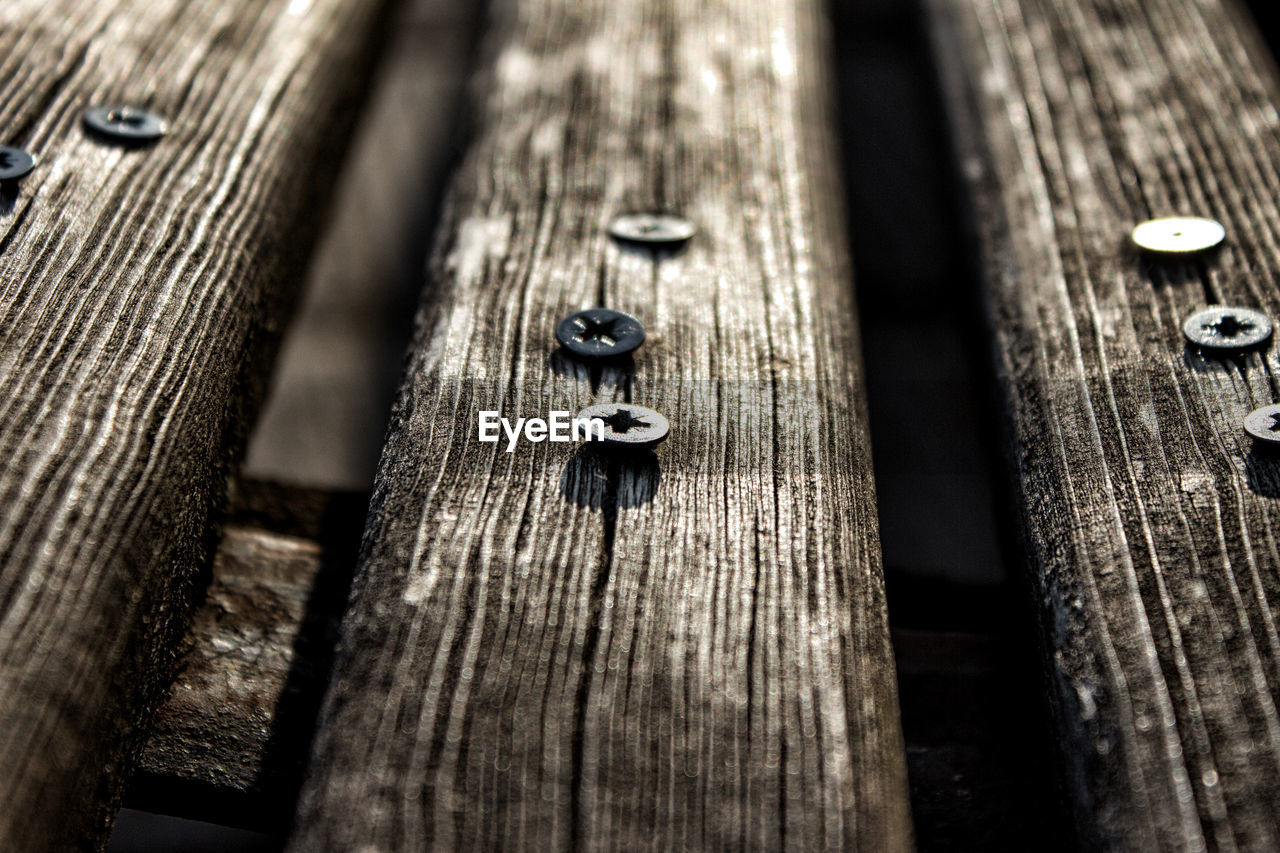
(600, 333)
(125, 123)
(1179, 235)
(1227, 327)
(652, 228)
(627, 425)
(1264, 424)
(14, 163)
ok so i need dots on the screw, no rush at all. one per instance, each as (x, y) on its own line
(1264, 424)
(629, 425)
(14, 163)
(1227, 327)
(652, 228)
(1179, 235)
(125, 123)
(600, 333)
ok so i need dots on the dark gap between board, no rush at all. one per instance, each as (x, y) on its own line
(981, 762)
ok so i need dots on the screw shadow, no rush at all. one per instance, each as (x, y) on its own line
(615, 372)
(1174, 269)
(1177, 271)
(655, 252)
(8, 197)
(609, 480)
(122, 142)
(1200, 360)
(1262, 470)
(1178, 266)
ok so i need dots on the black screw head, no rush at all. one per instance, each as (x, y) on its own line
(652, 228)
(1227, 327)
(14, 163)
(1264, 424)
(124, 123)
(600, 333)
(628, 425)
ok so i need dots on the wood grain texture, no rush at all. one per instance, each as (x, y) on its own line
(551, 649)
(140, 291)
(1149, 517)
(230, 741)
(332, 387)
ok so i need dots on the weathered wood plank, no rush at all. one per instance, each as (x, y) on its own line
(231, 739)
(141, 289)
(1149, 517)
(325, 417)
(685, 649)
(229, 743)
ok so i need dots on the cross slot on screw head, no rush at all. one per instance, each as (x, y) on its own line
(600, 333)
(1264, 424)
(628, 425)
(14, 163)
(1227, 327)
(124, 123)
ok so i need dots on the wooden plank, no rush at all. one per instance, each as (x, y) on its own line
(680, 649)
(141, 289)
(325, 417)
(1149, 517)
(230, 741)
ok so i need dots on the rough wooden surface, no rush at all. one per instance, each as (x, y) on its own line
(325, 417)
(681, 649)
(1149, 517)
(229, 743)
(140, 289)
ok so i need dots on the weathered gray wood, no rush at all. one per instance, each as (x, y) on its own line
(229, 743)
(685, 649)
(325, 417)
(141, 289)
(1149, 517)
